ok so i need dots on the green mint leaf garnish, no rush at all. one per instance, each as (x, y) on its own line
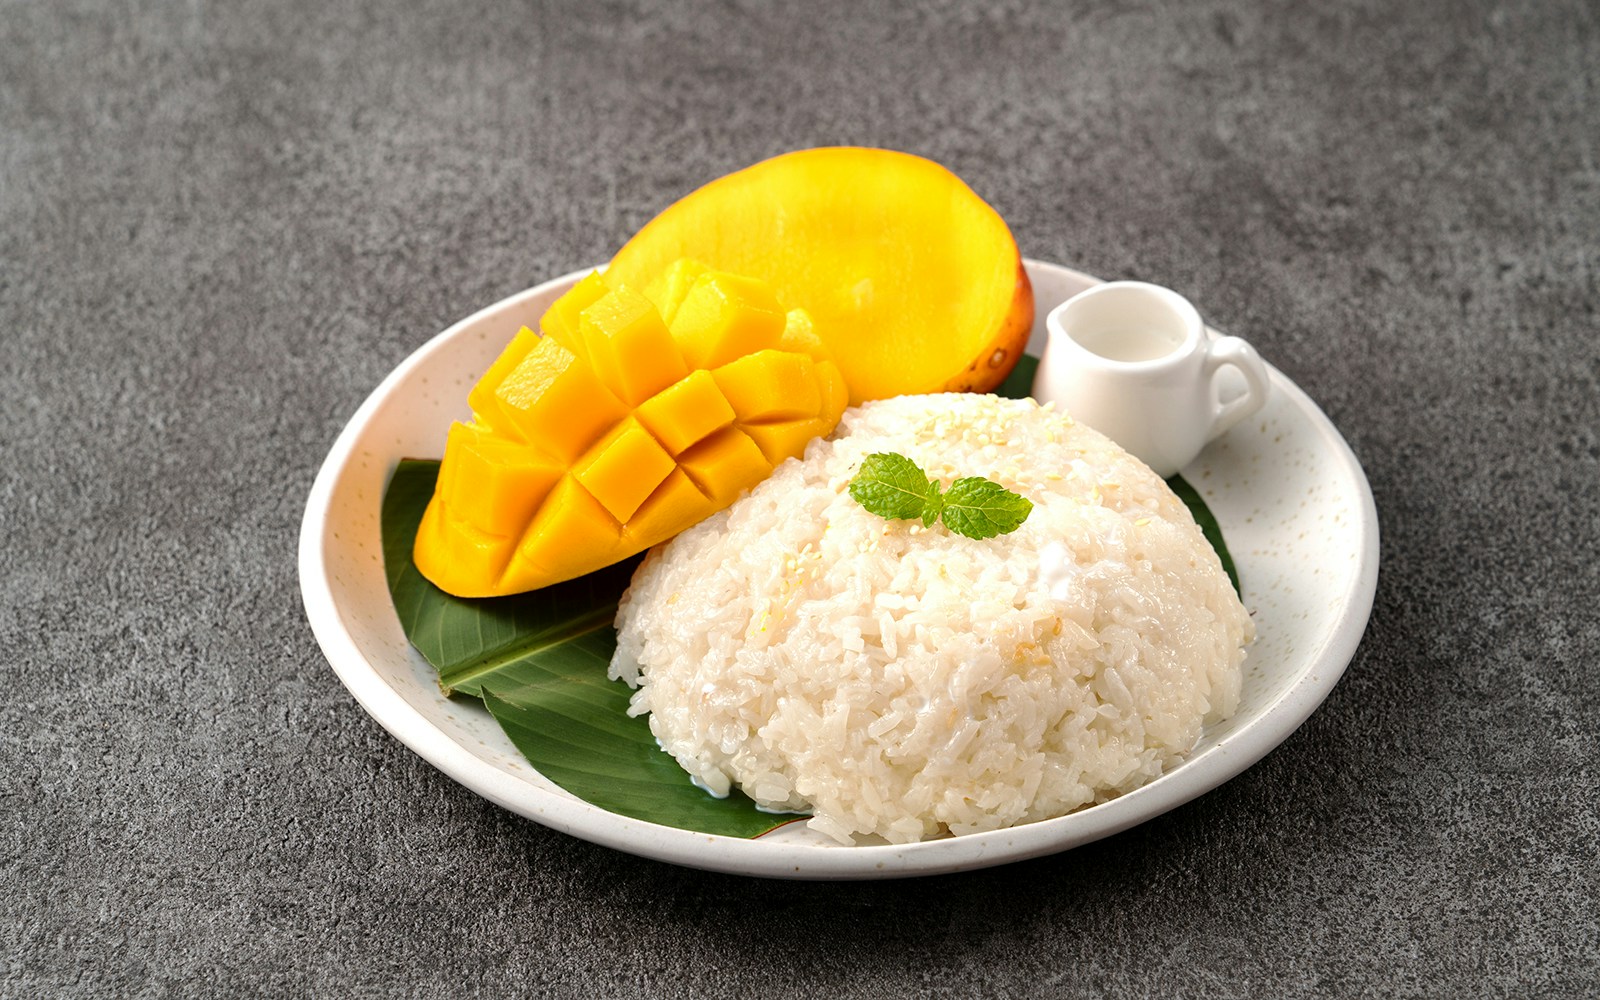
(894, 487)
(979, 508)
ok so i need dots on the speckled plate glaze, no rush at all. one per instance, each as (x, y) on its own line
(1291, 498)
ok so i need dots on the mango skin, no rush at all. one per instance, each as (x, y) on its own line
(613, 430)
(912, 281)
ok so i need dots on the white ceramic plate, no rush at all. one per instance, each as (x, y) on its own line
(1291, 498)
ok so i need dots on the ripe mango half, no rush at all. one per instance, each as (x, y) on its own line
(631, 418)
(913, 282)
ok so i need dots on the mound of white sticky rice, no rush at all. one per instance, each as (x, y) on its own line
(905, 682)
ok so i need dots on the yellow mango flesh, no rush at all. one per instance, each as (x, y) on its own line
(912, 281)
(629, 347)
(556, 402)
(723, 317)
(618, 428)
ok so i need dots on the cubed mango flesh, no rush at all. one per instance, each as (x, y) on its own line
(624, 469)
(561, 321)
(556, 403)
(618, 429)
(769, 386)
(474, 555)
(669, 289)
(496, 483)
(485, 408)
(790, 437)
(686, 412)
(629, 347)
(570, 526)
(725, 465)
(723, 317)
(675, 503)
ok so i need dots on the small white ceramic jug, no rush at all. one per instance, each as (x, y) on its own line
(1134, 361)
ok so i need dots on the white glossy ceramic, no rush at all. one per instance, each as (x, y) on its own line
(1134, 361)
(1291, 498)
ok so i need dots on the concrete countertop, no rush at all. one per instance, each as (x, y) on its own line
(222, 224)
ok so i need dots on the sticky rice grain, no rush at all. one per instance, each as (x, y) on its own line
(906, 682)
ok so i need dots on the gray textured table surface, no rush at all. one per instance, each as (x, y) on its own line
(222, 224)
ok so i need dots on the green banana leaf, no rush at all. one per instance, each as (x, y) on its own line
(538, 662)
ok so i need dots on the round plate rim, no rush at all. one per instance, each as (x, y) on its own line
(1195, 777)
